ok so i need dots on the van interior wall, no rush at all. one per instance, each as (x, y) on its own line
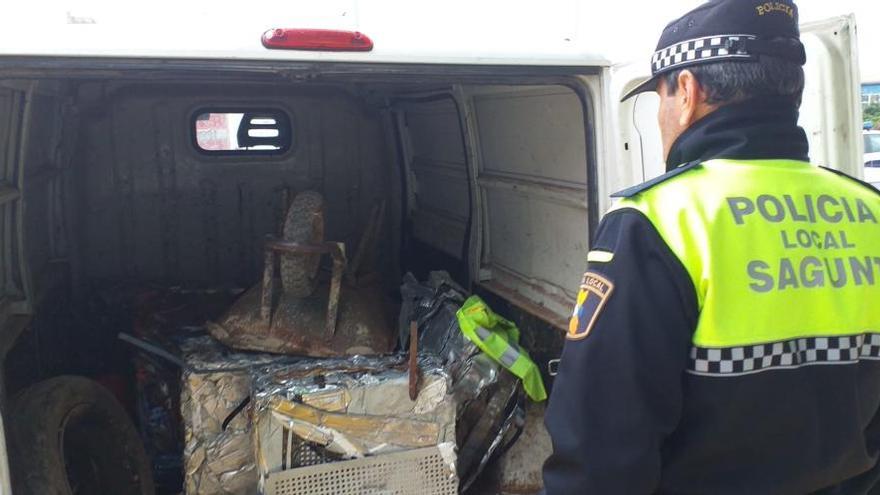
(151, 207)
(32, 132)
(38, 136)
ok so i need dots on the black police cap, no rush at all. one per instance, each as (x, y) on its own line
(724, 30)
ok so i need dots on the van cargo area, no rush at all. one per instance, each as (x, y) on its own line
(128, 207)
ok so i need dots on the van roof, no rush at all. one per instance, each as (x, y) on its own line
(453, 32)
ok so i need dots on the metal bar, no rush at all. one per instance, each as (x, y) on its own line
(153, 349)
(413, 360)
(268, 286)
(474, 158)
(25, 138)
(335, 288)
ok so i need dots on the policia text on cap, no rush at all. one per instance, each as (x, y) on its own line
(726, 337)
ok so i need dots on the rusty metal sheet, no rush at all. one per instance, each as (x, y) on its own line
(298, 325)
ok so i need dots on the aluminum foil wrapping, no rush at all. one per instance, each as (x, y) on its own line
(331, 410)
(218, 461)
(485, 395)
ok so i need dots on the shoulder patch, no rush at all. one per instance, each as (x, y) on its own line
(594, 293)
(850, 177)
(644, 186)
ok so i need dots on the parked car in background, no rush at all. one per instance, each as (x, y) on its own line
(872, 158)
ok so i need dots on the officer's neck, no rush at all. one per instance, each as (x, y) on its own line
(753, 129)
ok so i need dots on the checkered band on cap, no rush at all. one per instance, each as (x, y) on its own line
(699, 49)
(733, 361)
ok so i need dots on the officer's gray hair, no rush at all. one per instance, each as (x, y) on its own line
(732, 81)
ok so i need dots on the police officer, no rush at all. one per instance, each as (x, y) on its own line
(726, 338)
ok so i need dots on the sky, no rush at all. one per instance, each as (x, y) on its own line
(623, 30)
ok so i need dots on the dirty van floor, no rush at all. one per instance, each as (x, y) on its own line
(80, 337)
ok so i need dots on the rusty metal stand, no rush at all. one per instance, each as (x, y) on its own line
(275, 247)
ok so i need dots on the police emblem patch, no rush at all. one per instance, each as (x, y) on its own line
(595, 291)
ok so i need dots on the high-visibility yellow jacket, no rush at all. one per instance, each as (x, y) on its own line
(726, 338)
(499, 339)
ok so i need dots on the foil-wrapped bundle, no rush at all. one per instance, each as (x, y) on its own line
(332, 410)
(488, 399)
(219, 449)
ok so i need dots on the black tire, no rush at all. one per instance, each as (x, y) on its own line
(71, 437)
(304, 223)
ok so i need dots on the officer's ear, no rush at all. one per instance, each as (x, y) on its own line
(691, 98)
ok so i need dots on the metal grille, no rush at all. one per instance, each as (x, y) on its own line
(305, 453)
(414, 472)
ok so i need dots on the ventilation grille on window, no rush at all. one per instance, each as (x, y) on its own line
(231, 131)
(267, 130)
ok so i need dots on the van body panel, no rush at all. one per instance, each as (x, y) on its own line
(550, 33)
(831, 111)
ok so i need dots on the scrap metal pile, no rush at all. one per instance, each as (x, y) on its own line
(327, 406)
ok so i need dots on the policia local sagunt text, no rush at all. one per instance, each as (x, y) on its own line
(824, 222)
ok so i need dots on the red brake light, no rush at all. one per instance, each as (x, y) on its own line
(317, 39)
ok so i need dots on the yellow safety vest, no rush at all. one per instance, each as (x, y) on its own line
(499, 339)
(784, 257)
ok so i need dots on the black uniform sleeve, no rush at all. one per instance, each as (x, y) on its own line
(618, 394)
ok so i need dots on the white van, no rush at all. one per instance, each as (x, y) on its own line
(495, 147)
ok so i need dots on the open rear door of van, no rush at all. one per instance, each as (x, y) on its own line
(830, 112)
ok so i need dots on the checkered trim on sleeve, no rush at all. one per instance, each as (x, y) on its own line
(733, 361)
(711, 47)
